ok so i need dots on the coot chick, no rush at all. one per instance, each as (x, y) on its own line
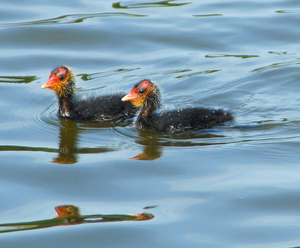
(146, 95)
(96, 108)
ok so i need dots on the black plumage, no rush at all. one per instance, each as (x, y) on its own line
(84, 108)
(96, 109)
(146, 94)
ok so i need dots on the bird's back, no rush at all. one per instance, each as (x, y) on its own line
(176, 121)
(102, 108)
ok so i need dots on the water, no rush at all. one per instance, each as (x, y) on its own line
(76, 184)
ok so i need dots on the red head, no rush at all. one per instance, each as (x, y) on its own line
(141, 92)
(59, 79)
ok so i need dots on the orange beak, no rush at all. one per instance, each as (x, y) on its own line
(131, 96)
(52, 82)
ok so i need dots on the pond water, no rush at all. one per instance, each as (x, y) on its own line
(75, 184)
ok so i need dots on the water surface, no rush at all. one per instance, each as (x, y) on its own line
(77, 184)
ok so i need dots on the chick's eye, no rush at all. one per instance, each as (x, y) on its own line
(62, 78)
(141, 90)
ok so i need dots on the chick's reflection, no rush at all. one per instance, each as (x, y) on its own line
(68, 136)
(151, 147)
(70, 215)
(68, 143)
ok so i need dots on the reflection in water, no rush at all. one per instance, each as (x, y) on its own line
(68, 148)
(25, 148)
(211, 56)
(17, 79)
(149, 207)
(103, 74)
(192, 74)
(151, 150)
(119, 5)
(68, 136)
(208, 15)
(67, 19)
(281, 53)
(70, 215)
(279, 65)
(149, 153)
(154, 143)
(288, 11)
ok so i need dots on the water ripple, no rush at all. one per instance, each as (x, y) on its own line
(103, 74)
(208, 15)
(278, 65)
(119, 5)
(228, 55)
(288, 11)
(18, 79)
(68, 19)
